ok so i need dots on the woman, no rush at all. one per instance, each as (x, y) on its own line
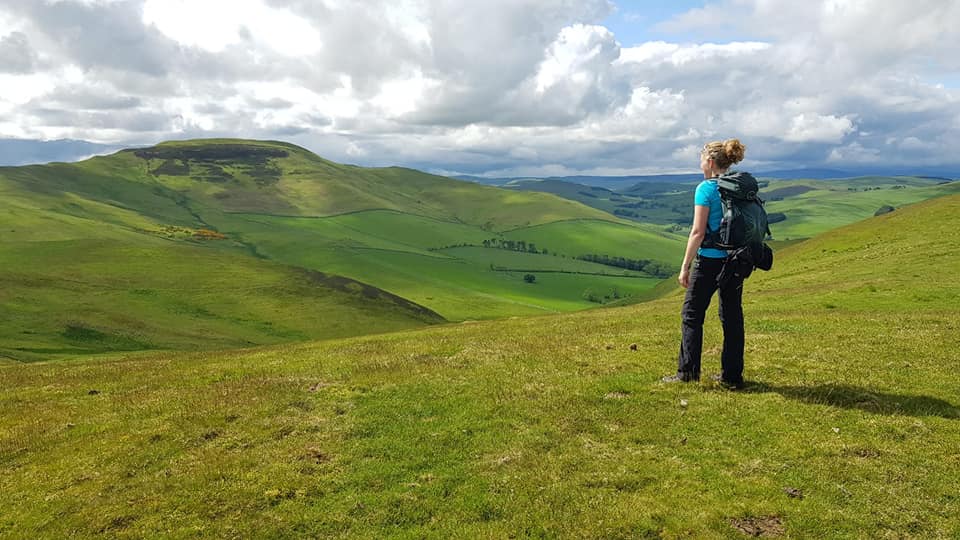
(701, 282)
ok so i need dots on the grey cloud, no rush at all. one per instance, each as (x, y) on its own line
(288, 131)
(275, 103)
(316, 120)
(358, 42)
(211, 108)
(89, 98)
(111, 43)
(108, 35)
(127, 120)
(16, 55)
(485, 51)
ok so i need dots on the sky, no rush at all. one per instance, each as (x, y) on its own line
(499, 87)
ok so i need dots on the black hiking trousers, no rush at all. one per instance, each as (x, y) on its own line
(703, 283)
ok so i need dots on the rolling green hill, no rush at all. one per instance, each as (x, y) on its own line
(646, 202)
(64, 298)
(552, 426)
(251, 209)
(265, 177)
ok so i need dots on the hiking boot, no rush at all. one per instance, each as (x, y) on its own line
(679, 377)
(727, 384)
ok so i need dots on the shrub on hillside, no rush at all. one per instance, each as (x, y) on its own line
(207, 234)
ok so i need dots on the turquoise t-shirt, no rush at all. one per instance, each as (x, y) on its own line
(708, 195)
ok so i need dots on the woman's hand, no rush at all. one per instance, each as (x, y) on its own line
(684, 278)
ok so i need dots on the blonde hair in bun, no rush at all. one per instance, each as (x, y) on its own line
(725, 153)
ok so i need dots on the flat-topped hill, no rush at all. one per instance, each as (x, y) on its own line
(281, 178)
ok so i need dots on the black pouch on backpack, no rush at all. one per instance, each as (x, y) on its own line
(738, 266)
(763, 259)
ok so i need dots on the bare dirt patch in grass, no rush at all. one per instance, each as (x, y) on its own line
(763, 526)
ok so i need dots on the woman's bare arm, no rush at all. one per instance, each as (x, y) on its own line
(697, 232)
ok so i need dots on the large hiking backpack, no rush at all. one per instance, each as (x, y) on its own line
(744, 220)
(743, 227)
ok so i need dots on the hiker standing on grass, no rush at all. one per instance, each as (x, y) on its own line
(701, 281)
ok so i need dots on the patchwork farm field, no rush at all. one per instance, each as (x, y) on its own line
(830, 204)
(807, 207)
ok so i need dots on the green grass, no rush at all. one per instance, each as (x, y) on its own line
(581, 237)
(462, 289)
(79, 297)
(401, 253)
(546, 426)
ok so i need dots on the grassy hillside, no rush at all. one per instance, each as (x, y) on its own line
(544, 426)
(579, 237)
(64, 298)
(385, 227)
(85, 277)
(424, 259)
(268, 177)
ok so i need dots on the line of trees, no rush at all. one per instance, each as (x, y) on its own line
(654, 268)
(499, 243)
(513, 245)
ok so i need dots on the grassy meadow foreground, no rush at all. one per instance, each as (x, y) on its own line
(548, 426)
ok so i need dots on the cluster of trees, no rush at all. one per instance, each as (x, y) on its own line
(207, 234)
(181, 233)
(625, 213)
(513, 245)
(643, 204)
(875, 188)
(654, 268)
(590, 295)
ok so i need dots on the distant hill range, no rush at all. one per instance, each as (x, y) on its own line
(32, 151)
(800, 207)
(617, 183)
(26, 151)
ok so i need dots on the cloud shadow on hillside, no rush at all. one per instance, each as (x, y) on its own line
(865, 399)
